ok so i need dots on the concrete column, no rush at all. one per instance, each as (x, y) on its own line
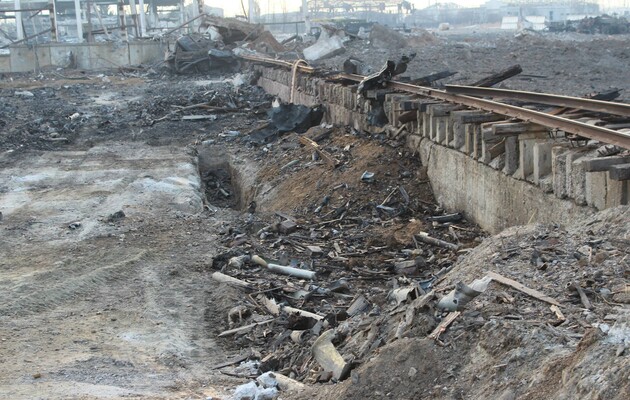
(143, 19)
(252, 12)
(18, 21)
(77, 12)
(123, 24)
(52, 11)
(134, 17)
(306, 16)
(511, 155)
(596, 189)
(542, 163)
(182, 11)
(526, 143)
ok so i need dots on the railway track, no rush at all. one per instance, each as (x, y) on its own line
(585, 127)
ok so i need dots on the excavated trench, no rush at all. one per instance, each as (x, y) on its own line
(222, 177)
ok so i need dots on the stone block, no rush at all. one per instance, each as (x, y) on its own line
(578, 181)
(559, 170)
(542, 160)
(616, 192)
(511, 155)
(596, 189)
(413, 142)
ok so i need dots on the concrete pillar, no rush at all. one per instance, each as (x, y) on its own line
(511, 155)
(526, 143)
(617, 192)
(18, 21)
(134, 17)
(52, 12)
(77, 11)
(182, 11)
(252, 11)
(306, 15)
(596, 189)
(492, 145)
(542, 165)
(559, 170)
(121, 18)
(143, 19)
(578, 182)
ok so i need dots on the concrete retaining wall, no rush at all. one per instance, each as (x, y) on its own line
(499, 173)
(92, 56)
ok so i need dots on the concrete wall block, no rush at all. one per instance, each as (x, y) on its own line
(578, 182)
(526, 159)
(110, 55)
(459, 135)
(559, 170)
(542, 160)
(491, 145)
(25, 58)
(440, 130)
(572, 178)
(5, 63)
(477, 140)
(413, 143)
(426, 125)
(491, 199)
(596, 189)
(617, 192)
(511, 155)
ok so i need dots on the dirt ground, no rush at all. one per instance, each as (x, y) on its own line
(114, 219)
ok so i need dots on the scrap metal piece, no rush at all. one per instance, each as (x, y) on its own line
(329, 358)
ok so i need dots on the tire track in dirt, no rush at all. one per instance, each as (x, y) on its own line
(47, 297)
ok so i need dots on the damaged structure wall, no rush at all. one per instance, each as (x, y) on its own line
(530, 178)
(86, 56)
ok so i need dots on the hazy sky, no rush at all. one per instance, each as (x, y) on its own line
(233, 7)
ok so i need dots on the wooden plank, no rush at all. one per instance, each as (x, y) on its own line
(513, 128)
(499, 76)
(519, 286)
(330, 160)
(619, 172)
(244, 328)
(441, 328)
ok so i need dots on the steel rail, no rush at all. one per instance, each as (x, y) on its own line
(544, 98)
(537, 117)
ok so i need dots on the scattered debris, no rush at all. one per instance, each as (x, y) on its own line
(329, 44)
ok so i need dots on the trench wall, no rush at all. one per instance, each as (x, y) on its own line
(499, 173)
(88, 56)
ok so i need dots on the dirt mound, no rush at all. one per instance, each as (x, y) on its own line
(509, 345)
(385, 38)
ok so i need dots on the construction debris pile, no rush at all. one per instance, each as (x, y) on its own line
(603, 24)
(338, 277)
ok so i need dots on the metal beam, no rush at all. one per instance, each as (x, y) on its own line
(544, 98)
(537, 117)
